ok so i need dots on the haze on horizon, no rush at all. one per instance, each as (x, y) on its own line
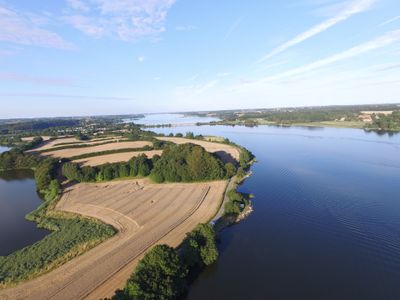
(91, 57)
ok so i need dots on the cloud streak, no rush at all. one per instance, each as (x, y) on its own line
(50, 81)
(27, 29)
(127, 20)
(232, 28)
(380, 42)
(389, 21)
(354, 8)
(47, 95)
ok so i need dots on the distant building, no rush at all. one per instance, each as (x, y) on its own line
(365, 118)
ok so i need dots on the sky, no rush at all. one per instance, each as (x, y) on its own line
(102, 57)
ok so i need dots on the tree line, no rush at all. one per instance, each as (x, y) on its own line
(177, 163)
(385, 122)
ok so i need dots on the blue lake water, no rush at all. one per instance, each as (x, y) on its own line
(17, 198)
(173, 119)
(326, 220)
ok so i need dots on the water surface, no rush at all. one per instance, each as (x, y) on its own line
(17, 198)
(326, 221)
(173, 119)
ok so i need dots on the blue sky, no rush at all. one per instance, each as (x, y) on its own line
(89, 57)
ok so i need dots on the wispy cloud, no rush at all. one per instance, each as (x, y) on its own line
(195, 89)
(85, 25)
(62, 96)
(50, 81)
(223, 74)
(389, 21)
(232, 28)
(193, 77)
(78, 5)
(186, 28)
(355, 7)
(380, 42)
(126, 20)
(388, 67)
(27, 29)
(6, 52)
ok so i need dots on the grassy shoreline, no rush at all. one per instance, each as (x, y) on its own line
(79, 233)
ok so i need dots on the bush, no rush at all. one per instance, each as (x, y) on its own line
(230, 170)
(199, 248)
(245, 158)
(82, 137)
(72, 171)
(159, 275)
(237, 201)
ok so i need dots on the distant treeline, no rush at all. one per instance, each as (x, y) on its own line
(288, 116)
(37, 125)
(386, 122)
(45, 170)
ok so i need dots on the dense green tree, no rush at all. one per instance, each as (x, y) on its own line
(82, 137)
(199, 248)
(88, 174)
(45, 172)
(53, 189)
(187, 162)
(159, 275)
(108, 172)
(230, 169)
(144, 165)
(124, 170)
(245, 157)
(72, 171)
(189, 135)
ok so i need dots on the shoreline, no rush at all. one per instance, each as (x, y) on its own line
(323, 124)
(49, 207)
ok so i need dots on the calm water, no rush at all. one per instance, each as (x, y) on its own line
(160, 119)
(17, 198)
(326, 221)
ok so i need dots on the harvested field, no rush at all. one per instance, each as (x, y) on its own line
(30, 138)
(115, 158)
(226, 152)
(145, 214)
(70, 140)
(71, 152)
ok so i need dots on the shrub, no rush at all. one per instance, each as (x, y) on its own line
(200, 248)
(159, 275)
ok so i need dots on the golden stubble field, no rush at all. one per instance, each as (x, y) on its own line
(145, 215)
(71, 152)
(115, 158)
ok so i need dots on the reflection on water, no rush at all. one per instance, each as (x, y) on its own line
(17, 198)
(174, 119)
(3, 149)
(326, 221)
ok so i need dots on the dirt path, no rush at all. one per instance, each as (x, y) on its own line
(145, 215)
